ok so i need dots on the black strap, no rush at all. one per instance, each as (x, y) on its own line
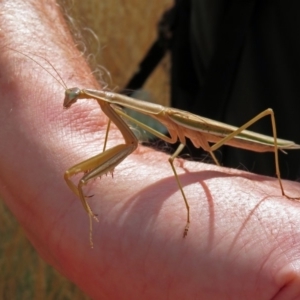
(157, 50)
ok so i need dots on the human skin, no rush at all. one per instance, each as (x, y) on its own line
(244, 237)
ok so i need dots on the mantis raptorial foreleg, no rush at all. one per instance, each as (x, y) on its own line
(101, 163)
(95, 167)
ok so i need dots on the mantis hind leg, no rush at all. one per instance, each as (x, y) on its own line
(264, 113)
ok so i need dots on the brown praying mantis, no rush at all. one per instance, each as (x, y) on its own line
(180, 125)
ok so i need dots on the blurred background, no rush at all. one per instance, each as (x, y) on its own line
(117, 35)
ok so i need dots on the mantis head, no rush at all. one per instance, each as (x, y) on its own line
(71, 96)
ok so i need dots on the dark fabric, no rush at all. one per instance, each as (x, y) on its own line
(263, 70)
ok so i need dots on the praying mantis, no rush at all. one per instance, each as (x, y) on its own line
(180, 125)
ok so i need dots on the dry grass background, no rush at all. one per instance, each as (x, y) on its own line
(125, 31)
